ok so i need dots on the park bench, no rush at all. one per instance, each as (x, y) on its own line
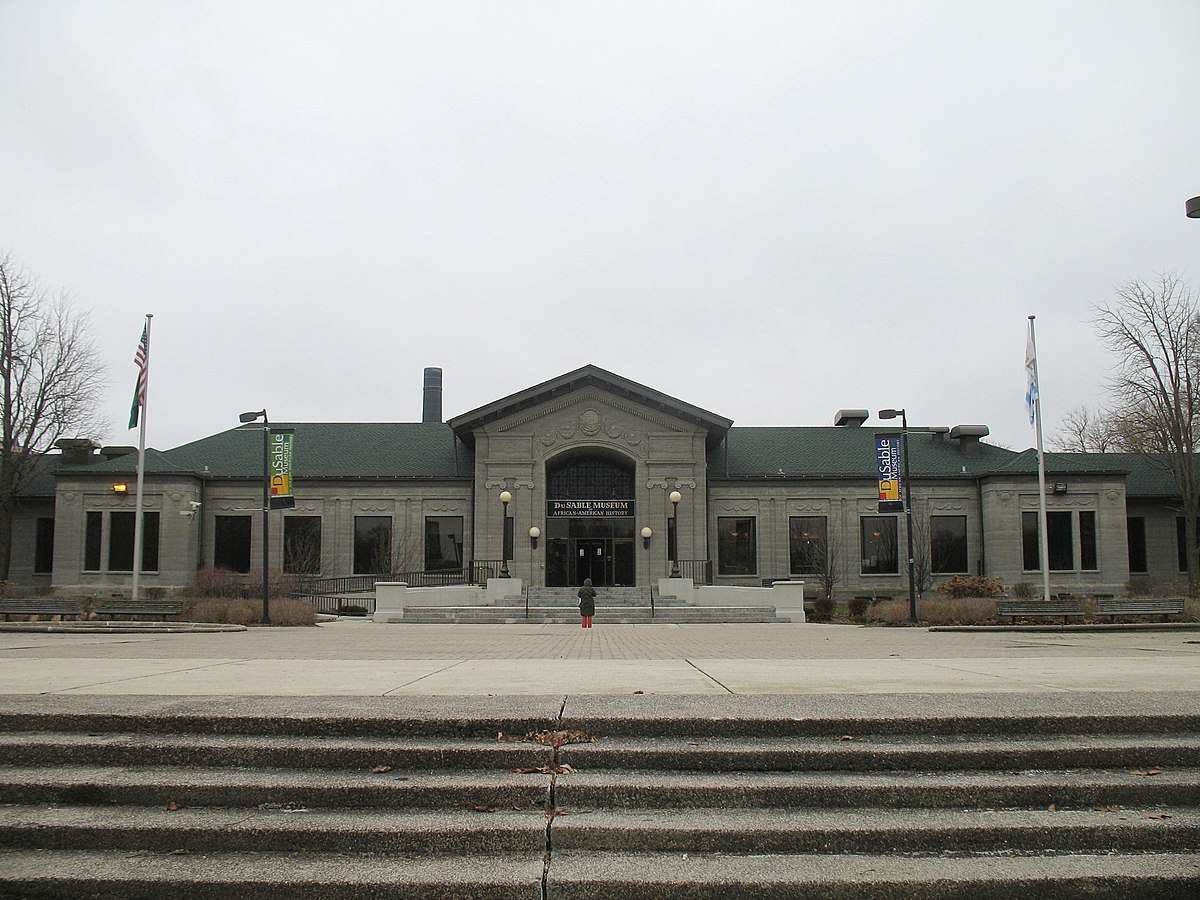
(38, 608)
(159, 608)
(1066, 606)
(106, 609)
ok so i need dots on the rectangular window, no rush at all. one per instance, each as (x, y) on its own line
(302, 545)
(443, 543)
(92, 542)
(808, 544)
(1087, 541)
(43, 551)
(948, 545)
(1030, 547)
(372, 545)
(231, 543)
(1135, 528)
(880, 555)
(737, 553)
(1060, 541)
(149, 542)
(120, 542)
(1181, 541)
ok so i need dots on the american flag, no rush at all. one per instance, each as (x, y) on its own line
(141, 359)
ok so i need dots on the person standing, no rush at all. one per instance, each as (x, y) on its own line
(587, 602)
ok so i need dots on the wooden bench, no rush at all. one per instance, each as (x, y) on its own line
(106, 609)
(160, 608)
(38, 608)
(1066, 606)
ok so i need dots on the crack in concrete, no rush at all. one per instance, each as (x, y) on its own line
(400, 687)
(223, 662)
(709, 677)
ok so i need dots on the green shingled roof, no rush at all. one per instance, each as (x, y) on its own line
(840, 452)
(323, 450)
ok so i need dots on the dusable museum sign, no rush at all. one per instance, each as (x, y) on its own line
(589, 509)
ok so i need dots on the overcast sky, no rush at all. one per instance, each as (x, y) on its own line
(770, 210)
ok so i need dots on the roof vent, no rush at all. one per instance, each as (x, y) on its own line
(968, 438)
(851, 418)
(116, 452)
(77, 451)
(937, 434)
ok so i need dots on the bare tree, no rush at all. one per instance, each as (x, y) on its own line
(1084, 430)
(50, 384)
(820, 556)
(1154, 331)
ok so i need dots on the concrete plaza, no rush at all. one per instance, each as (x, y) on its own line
(357, 659)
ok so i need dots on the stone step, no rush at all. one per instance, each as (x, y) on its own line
(864, 752)
(573, 874)
(270, 799)
(716, 876)
(121, 875)
(627, 615)
(615, 788)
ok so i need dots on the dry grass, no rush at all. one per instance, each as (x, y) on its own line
(936, 611)
(1191, 609)
(223, 611)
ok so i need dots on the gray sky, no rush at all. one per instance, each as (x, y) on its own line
(769, 210)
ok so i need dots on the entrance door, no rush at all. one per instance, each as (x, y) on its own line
(591, 562)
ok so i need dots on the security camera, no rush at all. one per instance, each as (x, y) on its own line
(194, 504)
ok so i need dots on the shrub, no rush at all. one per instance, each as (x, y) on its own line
(823, 609)
(858, 606)
(940, 611)
(228, 611)
(1024, 590)
(961, 586)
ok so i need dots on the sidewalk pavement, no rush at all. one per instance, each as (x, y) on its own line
(357, 659)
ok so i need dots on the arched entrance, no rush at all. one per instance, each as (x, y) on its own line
(590, 519)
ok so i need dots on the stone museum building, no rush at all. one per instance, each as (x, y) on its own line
(589, 463)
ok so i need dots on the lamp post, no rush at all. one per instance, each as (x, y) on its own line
(534, 534)
(505, 499)
(1193, 208)
(647, 533)
(675, 498)
(266, 571)
(912, 572)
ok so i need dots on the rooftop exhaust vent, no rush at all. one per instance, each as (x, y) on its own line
(851, 418)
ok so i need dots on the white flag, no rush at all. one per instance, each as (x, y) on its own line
(1031, 385)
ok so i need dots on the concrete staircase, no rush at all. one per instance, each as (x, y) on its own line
(387, 800)
(614, 606)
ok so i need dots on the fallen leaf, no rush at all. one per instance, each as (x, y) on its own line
(1052, 807)
(1158, 815)
(531, 770)
(639, 692)
(846, 737)
(181, 852)
(1147, 773)
(379, 770)
(1106, 809)
(484, 808)
(564, 769)
(171, 807)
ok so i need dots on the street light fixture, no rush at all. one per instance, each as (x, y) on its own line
(675, 498)
(505, 499)
(1193, 208)
(912, 572)
(647, 533)
(266, 572)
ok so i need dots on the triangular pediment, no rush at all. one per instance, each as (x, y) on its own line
(568, 389)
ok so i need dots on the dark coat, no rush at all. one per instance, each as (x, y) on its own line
(587, 600)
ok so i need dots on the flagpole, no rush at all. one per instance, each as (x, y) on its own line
(1043, 543)
(144, 391)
